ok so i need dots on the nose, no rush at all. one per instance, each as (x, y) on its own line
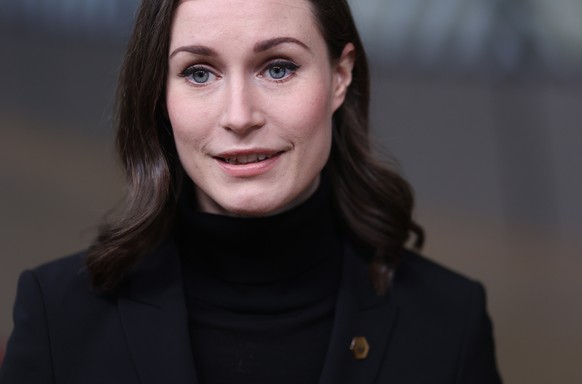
(242, 112)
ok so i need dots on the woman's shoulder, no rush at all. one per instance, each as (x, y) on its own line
(65, 270)
(419, 266)
(447, 312)
(60, 280)
(427, 281)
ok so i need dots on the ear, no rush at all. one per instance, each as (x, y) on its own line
(342, 75)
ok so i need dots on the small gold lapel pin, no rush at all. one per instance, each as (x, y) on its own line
(359, 347)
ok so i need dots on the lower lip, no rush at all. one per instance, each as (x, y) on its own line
(248, 170)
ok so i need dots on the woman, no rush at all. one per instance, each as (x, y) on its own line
(260, 240)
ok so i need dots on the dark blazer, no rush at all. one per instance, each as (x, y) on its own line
(432, 328)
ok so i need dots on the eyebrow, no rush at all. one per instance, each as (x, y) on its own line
(265, 45)
(261, 46)
(195, 49)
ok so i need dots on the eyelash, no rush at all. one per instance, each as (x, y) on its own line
(287, 65)
(191, 70)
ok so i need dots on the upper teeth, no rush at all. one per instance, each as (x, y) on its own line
(245, 159)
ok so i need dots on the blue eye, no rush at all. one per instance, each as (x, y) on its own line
(200, 76)
(277, 72)
(280, 70)
(197, 74)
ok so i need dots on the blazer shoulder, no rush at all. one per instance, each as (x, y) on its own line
(448, 311)
(64, 278)
(71, 263)
(63, 270)
(431, 282)
(419, 266)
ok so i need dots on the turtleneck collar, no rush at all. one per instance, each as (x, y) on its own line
(260, 250)
(261, 292)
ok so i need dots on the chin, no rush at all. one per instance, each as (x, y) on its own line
(254, 208)
(253, 202)
(255, 205)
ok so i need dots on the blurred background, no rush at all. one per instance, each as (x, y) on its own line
(479, 100)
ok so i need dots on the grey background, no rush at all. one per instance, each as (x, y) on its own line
(480, 101)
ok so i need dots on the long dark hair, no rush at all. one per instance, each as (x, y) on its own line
(373, 200)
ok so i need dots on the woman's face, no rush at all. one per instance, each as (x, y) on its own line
(250, 95)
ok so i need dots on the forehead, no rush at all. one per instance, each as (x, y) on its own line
(236, 20)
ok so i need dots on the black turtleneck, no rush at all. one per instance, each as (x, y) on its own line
(261, 292)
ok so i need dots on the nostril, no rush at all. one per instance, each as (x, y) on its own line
(242, 111)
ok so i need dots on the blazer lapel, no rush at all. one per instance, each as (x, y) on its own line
(360, 312)
(155, 321)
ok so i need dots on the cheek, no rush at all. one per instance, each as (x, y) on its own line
(177, 113)
(189, 121)
(312, 133)
(311, 114)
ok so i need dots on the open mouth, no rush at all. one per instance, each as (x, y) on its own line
(247, 158)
